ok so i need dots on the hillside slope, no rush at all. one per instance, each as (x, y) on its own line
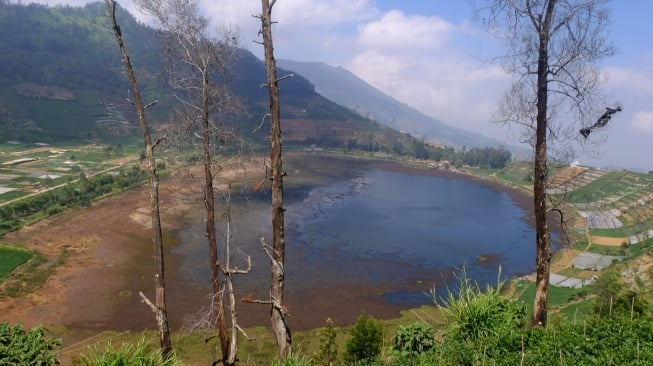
(61, 78)
(345, 88)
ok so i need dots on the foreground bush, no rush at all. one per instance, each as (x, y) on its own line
(473, 313)
(18, 347)
(142, 354)
(414, 339)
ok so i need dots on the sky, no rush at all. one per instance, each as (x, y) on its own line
(433, 56)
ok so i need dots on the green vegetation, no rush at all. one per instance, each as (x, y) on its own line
(413, 339)
(559, 297)
(20, 347)
(79, 192)
(141, 354)
(11, 258)
(621, 184)
(328, 353)
(472, 313)
(366, 339)
(31, 275)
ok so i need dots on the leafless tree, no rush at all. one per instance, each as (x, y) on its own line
(199, 67)
(229, 272)
(553, 49)
(159, 307)
(277, 254)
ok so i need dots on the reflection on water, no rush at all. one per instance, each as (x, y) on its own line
(406, 232)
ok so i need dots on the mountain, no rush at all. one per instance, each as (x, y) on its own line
(345, 88)
(62, 78)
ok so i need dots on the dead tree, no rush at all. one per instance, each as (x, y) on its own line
(159, 308)
(199, 67)
(277, 254)
(554, 46)
(229, 272)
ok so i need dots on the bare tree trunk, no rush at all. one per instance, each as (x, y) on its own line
(209, 202)
(542, 233)
(279, 326)
(153, 183)
(229, 272)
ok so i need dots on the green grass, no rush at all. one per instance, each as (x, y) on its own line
(559, 297)
(613, 233)
(34, 273)
(637, 250)
(517, 174)
(627, 185)
(577, 310)
(607, 250)
(11, 258)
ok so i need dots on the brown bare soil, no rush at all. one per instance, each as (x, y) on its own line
(563, 259)
(608, 241)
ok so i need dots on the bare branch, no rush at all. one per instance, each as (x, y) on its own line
(150, 104)
(267, 115)
(287, 76)
(149, 303)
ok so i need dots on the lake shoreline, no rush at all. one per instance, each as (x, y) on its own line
(107, 228)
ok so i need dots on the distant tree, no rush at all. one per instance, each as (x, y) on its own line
(553, 48)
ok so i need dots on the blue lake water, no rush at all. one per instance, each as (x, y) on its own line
(416, 224)
(397, 232)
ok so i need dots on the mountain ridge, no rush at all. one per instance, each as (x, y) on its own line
(345, 88)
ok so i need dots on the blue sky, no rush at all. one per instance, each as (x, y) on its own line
(431, 55)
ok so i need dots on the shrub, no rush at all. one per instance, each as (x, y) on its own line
(414, 339)
(473, 313)
(18, 347)
(366, 339)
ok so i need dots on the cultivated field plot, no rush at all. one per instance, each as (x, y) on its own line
(12, 258)
(31, 168)
(607, 199)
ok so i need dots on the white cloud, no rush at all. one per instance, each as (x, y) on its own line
(643, 121)
(635, 80)
(422, 62)
(396, 31)
(322, 13)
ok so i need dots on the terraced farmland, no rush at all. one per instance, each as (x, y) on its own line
(31, 168)
(607, 199)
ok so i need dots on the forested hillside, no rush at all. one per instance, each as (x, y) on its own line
(61, 78)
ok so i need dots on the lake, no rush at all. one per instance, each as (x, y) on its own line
(372, 235)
